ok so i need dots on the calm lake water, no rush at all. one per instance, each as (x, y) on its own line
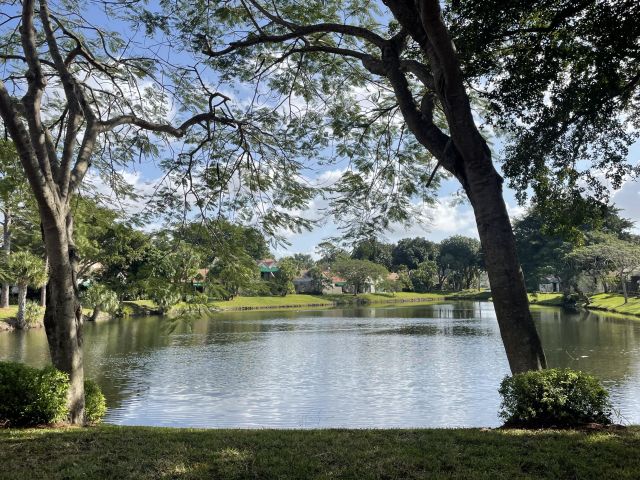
(406, 366)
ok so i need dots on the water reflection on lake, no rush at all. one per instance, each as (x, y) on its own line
(407, 366)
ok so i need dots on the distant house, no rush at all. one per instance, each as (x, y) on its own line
(337, 285)
(268, 268)
(549, 284)
(305, 283)
(200, 278)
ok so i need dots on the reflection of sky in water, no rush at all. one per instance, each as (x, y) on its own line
(410, 366)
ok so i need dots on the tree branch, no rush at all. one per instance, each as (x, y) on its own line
(298, 32)
(33, 98)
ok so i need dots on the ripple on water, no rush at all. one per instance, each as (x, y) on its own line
(414, 366)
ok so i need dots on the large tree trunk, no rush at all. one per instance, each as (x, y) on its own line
(43, 290)
(519, 335)
(63, 314)
(21, 322)
(6, 247)
(465, 154)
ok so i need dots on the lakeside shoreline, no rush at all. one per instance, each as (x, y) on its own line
(603, 302)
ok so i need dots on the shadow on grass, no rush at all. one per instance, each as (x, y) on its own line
(136, 452)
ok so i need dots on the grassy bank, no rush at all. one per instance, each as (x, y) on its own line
(6, 315)
(552, 299)
(615, 303)
(298, 300)
(145, 453)
(142, 307)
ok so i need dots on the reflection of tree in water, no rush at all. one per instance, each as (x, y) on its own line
(26, 346)
(596, 343)
(409, 330)
(435, 330)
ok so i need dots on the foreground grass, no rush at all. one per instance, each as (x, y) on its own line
(615, 303)
(145, 453)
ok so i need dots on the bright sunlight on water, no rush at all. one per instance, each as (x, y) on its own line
(407, 366)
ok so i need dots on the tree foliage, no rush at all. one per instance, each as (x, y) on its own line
(461, 257)
(360, 273)
(413, 251)
(564, 86)
(374, 251)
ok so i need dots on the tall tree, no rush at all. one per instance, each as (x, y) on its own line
(605, 257)
(461, 257)
(415, 59)
(72, 89)
(374, 251)
(15, 200)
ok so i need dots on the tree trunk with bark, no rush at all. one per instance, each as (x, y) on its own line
(95, 313)
(21, 322)
(63, 313)
(465, 154)
(510, 300)
(6, 248)
(43, 289)
(623, 280)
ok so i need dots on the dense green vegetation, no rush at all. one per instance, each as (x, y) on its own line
(31, 396)
(554, 398)
(602, 254)
(146, 453)
(34, 397)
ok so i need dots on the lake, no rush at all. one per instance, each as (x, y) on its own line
(379, 367)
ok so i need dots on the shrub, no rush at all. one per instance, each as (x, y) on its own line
(33, 313)
(95, 405)
(30, 396)
(554, 397)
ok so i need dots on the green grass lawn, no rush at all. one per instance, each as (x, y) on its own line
(8, 313)
(615, 303)
(553, 299)
(470, 294)
(273, 302)
(149, 453)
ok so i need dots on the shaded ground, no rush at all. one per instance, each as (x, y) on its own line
(145, 453)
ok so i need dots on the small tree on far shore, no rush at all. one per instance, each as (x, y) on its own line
(358, 273)
(26, 270)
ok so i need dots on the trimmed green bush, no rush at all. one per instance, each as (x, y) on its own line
(554, 398)
(95, 405)
(30, 396)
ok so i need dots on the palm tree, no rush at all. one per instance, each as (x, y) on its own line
(100, 298)
(26, 270)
